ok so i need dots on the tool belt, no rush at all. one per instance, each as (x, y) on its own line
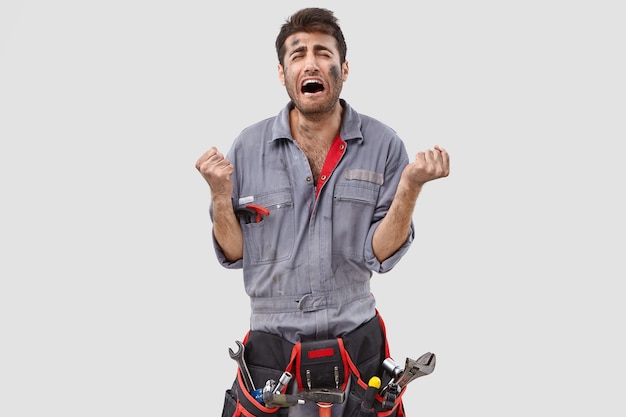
(324, 365)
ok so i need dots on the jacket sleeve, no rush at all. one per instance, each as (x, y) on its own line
(396, 161)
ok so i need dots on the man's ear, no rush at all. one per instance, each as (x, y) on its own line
(281, 74)
(345, 70)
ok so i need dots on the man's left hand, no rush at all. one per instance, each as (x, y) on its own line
(428, 165)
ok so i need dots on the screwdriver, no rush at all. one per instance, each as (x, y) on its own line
(370, 394)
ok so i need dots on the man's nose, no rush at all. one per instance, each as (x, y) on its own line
(311, 63)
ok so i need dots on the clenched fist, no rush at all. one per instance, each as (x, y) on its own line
(216, 170)
(428, 165)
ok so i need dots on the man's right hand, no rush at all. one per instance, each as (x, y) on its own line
(216, 170)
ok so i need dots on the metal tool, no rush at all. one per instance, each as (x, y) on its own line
(243, 368)
(259, 210)
(252, 213)
(272, 400)
(424, 365)
(413, 369)
(282, 382)
(331, 396)
(392, 368)
(323, 397)
(270, 385)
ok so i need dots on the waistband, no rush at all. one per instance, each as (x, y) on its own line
(311, 302)
(267, 350)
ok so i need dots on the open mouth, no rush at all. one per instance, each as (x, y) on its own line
(312, 87)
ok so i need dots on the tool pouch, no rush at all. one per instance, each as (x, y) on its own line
(367, 347)
(321, 364)
(265, 355)
(245, 404)
(347, 362)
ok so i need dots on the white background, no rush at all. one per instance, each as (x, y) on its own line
(111, 300)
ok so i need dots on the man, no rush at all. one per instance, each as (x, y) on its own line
(311, 202)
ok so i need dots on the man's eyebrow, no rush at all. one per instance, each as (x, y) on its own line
(316, 47)
(322, 48)
(299, 49)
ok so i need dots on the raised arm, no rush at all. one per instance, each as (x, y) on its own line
(216, 170)
(395, 226)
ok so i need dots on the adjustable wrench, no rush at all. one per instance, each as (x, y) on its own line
(245, 373)
(413, 369)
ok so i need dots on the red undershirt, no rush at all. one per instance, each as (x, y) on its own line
(337, 148)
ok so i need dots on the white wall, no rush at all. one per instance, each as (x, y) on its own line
(111, 300)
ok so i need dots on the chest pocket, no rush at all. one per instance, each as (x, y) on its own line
(272, 238)
(354, 203)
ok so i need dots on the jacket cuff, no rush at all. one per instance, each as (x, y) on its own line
(388, 264)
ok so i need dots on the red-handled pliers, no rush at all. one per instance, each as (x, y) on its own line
(253, 210)
(259, 210)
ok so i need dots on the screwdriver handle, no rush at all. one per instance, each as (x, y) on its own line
(370, 394)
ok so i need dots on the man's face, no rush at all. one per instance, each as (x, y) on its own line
(312, 72)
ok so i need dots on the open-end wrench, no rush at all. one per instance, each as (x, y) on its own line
(239, 358)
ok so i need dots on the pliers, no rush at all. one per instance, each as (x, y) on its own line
(252, 213)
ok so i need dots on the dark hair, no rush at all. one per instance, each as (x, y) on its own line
(312, 19)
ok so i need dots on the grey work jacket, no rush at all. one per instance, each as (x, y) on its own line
(307, 265)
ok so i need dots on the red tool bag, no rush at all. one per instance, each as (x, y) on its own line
(326, 366)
